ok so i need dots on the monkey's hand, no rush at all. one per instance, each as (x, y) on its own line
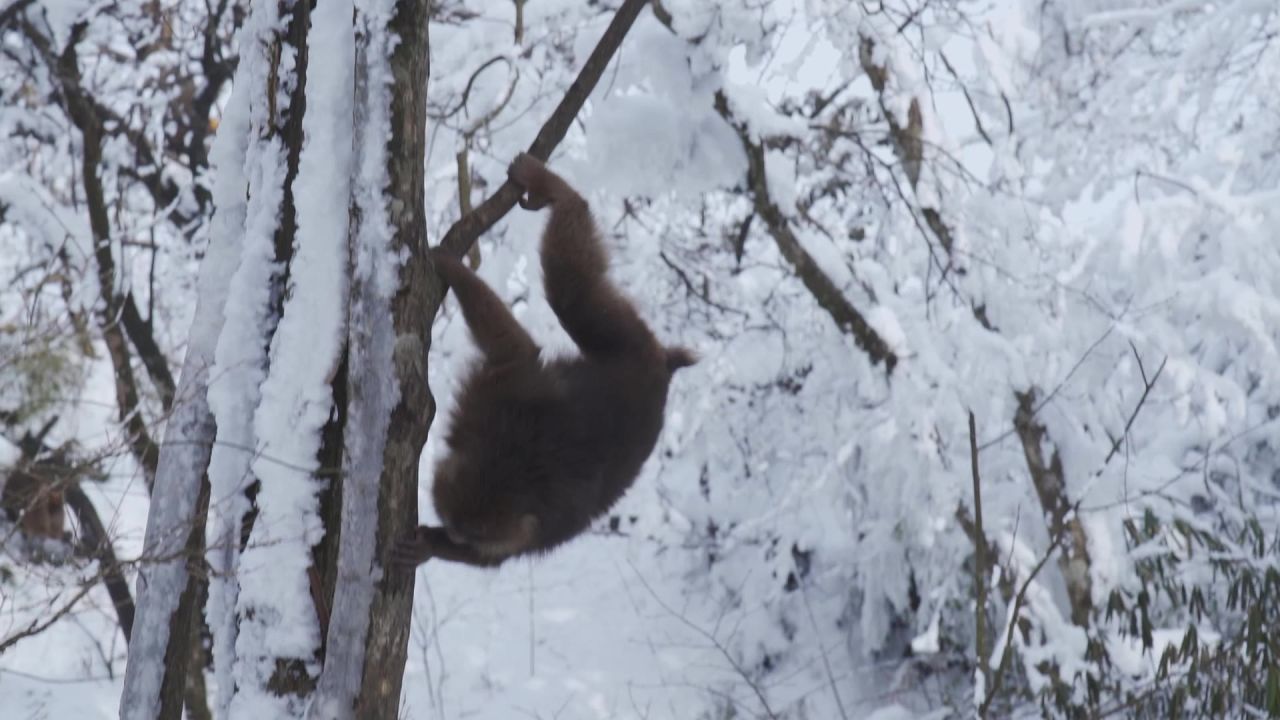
(446, 264)
(413, 548)
(533, 176)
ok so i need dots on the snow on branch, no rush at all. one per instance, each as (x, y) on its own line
(824, 290)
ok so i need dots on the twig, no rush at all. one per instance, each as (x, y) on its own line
(973, 110)
(826, 658)
(1054, 392)
(1018, 602)
(979, 557)
(466, 91)
(710, 637)
(36, 627)
(1146, 390)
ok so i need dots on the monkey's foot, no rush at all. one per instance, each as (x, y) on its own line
(412, 549)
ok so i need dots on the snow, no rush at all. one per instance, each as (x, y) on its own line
(190, 431)
(276, 615)
(239, 366)
(374, 392)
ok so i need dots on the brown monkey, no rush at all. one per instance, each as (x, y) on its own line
(36, 504)
(538, 449)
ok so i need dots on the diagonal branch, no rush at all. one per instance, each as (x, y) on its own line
(1018, 601)
(979, 556)
(463, 233)
(819, 284)
(65, 70)
(1147, 384)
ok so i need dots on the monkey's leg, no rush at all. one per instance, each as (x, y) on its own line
(426, 542)
(496, 331)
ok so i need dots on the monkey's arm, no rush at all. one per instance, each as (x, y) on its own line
(574, 266)
(496, 331)
(425, 542)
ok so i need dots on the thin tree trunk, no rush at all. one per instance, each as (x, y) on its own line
(167, 589)
(419, 294)
(388, 337)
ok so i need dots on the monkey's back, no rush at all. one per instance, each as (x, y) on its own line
(597, 438)
(562, 441)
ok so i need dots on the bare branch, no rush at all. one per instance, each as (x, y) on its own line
(979, 555)
(79, 107)
(1146, 390)
(463, 233)
(1018, 601)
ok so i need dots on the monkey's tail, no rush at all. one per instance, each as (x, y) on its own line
(679, 357)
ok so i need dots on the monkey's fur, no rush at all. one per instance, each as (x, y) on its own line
(36, 504)
(538, 449)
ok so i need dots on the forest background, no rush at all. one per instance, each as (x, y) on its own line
(986, 294)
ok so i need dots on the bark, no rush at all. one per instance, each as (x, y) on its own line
(156, 684)
(367, 638)
(1049, 480)
(387, 404)
(96, 544)
(419, 294)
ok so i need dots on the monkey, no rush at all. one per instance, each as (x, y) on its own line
(538, 449)
(36, 503)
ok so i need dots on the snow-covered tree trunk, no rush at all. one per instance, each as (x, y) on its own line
(394, 296)
(175, 524)
(320, 201)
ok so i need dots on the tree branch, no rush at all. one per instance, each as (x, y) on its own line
(979, 556)
(1146, 390)
(79, 108)
(463, 233)
(819, 284)
(1018, 601)
(96, 544)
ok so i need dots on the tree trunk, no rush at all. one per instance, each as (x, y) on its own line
(167, 591)
(155, 681)
(389, 333)
(412, 307)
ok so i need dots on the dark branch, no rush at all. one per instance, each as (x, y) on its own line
(458, 240)
(979, 554)
(1018, 601)
(96, 544)
(79, 107)
(819, 284)
(10, 13)
(1146, 390)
